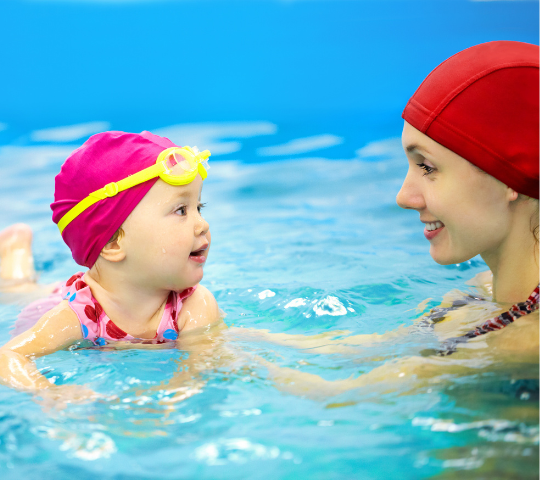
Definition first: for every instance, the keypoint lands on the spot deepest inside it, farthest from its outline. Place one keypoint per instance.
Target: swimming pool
(306, 98)
(303, 242)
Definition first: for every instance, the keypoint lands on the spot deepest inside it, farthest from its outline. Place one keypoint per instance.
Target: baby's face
(166, 239)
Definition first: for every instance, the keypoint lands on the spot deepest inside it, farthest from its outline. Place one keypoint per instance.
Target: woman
(471, 140)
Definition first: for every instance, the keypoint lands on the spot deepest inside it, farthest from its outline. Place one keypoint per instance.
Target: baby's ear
(113, 251)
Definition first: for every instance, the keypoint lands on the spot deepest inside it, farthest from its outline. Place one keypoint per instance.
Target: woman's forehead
(413, 139)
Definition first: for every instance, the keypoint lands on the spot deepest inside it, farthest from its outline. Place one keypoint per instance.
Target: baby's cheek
(175, 247)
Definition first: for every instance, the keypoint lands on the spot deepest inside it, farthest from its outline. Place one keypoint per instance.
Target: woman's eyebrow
(414, 146)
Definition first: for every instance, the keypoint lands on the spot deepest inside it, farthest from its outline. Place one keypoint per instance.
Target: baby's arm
(57, 329)
(340, 341)
(201, 326)
(199, 310)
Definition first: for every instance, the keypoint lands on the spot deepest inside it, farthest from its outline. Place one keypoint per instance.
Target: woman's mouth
(432, 229)
(199, 256)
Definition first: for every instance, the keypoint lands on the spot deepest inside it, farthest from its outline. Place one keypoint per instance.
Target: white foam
(301, 145)
(98, 445)
(234, 450)
(266, 294)
(329, 306)
(297, 302)
(34, 157)
(210, 135)
(391, 147)
(69, 133)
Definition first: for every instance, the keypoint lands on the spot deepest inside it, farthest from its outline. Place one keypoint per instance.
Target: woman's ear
(113, 251)
(512, 195)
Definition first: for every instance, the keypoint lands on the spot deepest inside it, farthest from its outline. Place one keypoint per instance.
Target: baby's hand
(59, 396)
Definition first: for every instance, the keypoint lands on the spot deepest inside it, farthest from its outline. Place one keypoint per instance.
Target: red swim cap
(104, 158)
(482, 104)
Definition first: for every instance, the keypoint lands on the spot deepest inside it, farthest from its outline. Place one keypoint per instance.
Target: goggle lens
(176, 158)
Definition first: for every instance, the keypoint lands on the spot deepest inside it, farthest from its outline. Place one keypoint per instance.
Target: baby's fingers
(57, 397)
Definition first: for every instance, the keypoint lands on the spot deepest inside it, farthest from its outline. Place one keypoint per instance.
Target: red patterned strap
(516, 311)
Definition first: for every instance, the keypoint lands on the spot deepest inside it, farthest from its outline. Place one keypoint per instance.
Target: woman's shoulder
(519, 340)
(482, 281)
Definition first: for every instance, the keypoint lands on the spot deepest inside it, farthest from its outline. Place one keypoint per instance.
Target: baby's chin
(184, 284)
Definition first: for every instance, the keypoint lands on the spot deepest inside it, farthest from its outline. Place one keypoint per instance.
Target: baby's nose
(201, 226)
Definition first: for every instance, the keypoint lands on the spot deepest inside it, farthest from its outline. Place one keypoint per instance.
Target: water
(299, 102)
(302, 244)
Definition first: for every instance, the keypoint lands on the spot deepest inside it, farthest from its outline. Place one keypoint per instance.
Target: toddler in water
(128, 206)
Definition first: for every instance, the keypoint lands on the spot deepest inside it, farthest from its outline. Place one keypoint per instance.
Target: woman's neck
(515, 269)
(135, 310)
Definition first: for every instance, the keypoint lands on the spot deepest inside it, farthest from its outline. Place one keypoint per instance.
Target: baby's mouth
(199, 255)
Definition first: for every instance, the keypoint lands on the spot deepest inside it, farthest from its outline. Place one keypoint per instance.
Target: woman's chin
(447, 258)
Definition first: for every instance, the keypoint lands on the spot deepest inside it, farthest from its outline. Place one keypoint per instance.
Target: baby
(129, 208)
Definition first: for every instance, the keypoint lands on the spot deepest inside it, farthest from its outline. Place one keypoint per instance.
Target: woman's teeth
(433, 226)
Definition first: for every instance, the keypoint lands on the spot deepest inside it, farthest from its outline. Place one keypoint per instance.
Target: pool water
(305, 240)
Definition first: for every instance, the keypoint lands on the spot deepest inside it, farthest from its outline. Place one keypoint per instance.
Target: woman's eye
(181, 210)
(427, 169)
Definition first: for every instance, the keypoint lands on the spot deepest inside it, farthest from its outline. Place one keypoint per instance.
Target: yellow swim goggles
(189, 159)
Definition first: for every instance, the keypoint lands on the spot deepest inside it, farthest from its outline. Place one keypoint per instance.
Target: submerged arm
(335, 341)
(340, 341)
(201, 326)
(497, 351)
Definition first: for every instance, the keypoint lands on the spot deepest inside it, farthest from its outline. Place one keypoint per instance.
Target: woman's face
(465, 211)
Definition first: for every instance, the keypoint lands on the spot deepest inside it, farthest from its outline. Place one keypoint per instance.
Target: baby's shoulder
(55, 330)
(60, 316)
(199, 309)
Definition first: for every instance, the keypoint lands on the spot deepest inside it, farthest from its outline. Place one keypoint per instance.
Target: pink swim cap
(482, 103)
(104, 158)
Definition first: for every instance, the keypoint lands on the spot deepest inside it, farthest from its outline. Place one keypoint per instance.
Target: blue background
(304, 65)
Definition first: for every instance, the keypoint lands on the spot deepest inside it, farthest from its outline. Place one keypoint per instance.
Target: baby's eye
(181, 210)
(201, 206)
(427, 169)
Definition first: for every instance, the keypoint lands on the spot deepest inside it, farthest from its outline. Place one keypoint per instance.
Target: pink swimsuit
(96, 326)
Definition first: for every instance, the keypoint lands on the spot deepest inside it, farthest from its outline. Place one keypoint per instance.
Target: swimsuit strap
(504, 319)
(97, 327)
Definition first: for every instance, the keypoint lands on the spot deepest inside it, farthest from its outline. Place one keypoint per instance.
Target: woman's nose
(410, 194)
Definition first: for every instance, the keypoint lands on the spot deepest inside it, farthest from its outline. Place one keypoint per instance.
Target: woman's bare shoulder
(519, 340)
(482, 280)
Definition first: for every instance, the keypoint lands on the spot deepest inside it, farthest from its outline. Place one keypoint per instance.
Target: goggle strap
(110, 190)
(113, 188)
(202, 171)
(76, 211)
